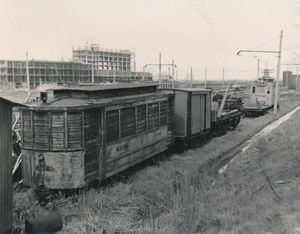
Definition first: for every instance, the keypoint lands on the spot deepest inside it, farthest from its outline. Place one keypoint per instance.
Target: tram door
(93, 144)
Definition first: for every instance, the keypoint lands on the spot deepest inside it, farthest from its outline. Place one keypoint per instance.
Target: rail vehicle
(262, 96)
(85, 133)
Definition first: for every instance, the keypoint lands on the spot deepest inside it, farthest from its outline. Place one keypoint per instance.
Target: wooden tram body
(93, 132)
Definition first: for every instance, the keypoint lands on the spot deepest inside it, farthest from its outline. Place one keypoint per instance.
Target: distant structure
(13, 73)
(109, 66)
(290, 81)
(119, 65)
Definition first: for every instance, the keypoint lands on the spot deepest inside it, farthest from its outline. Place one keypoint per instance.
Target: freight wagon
(87, 133)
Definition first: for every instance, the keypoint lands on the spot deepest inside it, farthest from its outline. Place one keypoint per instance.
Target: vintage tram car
(262, 96)
(86, 133)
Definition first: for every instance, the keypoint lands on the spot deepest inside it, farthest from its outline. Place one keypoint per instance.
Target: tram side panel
(53, 152)
(135, 133)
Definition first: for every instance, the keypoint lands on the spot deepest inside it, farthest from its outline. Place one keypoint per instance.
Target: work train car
(192, 108)
(88, 133)
(198, 118)
(93, 132)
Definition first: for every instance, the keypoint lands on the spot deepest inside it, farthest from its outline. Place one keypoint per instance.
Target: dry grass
(183, 195)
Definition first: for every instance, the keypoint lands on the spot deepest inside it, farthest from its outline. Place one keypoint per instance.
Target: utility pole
(223, 76)
(92, 49)
(159, 77)
(143, 73)
(258, 69)
(172, 73)
(205, 76)
(278, 69)
(277, 76)
(287, 76)
(297, 84)
(93, 78)
(159, 65)
(191, 77)
(27, 73)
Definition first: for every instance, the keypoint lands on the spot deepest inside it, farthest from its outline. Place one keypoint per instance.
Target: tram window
(153, 116)
(112, 126)
(261, 90)
(127, 122)
(253, 89)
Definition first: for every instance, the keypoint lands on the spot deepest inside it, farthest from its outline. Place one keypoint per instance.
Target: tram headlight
(263, 102)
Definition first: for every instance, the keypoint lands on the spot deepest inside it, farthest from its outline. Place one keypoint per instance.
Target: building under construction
(108, 66)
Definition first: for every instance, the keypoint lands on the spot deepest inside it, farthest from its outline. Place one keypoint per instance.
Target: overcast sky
(193, 33)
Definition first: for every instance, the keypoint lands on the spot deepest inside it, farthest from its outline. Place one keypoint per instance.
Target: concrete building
(13, 73)
(290, 81)
(109, 66)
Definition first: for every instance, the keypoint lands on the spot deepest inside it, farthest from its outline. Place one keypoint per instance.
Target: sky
(196, 34)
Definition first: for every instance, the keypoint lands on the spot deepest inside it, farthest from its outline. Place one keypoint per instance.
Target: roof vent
(44, 96)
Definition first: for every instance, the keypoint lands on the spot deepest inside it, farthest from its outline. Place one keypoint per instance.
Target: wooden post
(5, 167)
(6, 192)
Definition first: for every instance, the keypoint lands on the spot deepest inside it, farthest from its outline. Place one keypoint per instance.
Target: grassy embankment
(183, 195)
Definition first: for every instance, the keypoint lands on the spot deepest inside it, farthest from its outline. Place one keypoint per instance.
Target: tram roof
(105, 86)
(187, 89)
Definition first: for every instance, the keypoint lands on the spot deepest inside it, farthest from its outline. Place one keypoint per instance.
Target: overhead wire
(176, 34)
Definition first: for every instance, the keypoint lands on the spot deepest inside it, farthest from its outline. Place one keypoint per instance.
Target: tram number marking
(122, 147)
(44, 168)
